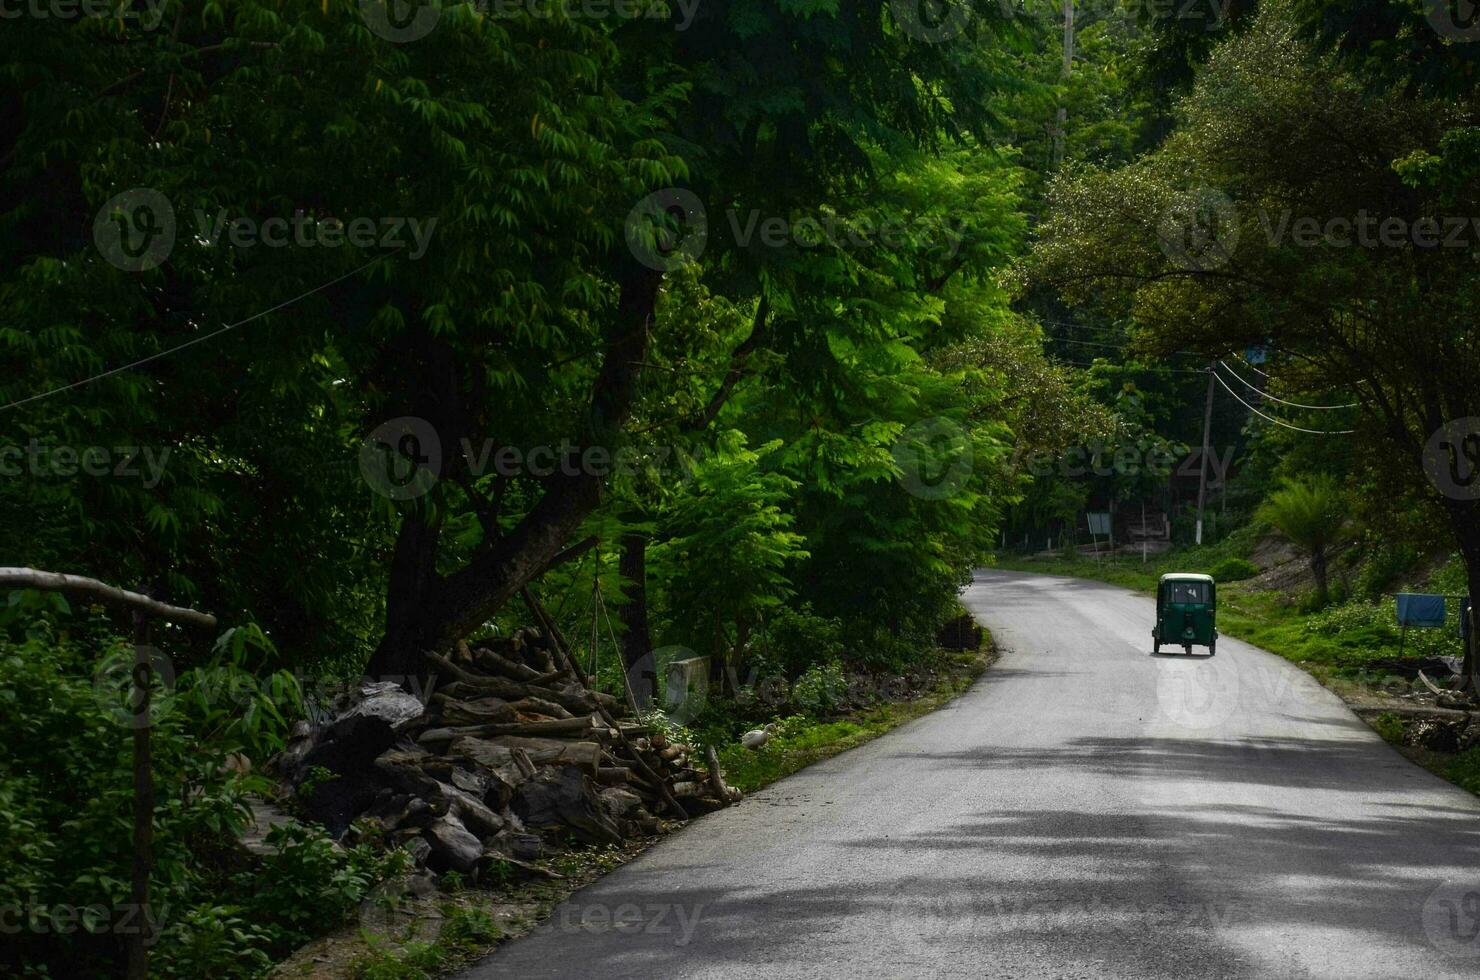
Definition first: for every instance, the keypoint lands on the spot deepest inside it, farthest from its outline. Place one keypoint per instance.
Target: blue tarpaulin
(1418, 609)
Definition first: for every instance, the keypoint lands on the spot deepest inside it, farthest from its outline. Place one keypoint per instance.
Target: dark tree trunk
(426, 611)
(637, 644)
(411, 615)
(1318, 569)
(1464, 522)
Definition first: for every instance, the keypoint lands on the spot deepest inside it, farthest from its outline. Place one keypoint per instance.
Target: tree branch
(30, 578)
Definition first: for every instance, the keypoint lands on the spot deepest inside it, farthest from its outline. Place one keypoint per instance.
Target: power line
(1283, 401)
(190, 343)
(1250, 366)
(1270, 418)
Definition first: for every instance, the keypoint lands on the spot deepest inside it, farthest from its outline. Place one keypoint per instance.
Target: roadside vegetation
(377, 341)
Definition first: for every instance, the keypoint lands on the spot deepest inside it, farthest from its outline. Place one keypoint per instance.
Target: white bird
(758, 737)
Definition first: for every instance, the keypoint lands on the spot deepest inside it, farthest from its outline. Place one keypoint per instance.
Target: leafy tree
(1236, 233)
(1311, 513)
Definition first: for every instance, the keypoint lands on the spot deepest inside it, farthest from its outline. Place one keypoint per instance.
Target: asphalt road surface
(1086, 810)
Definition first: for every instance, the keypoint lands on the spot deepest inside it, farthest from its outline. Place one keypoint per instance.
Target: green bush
(822, 689)
(66, 796)
(1233, 570)
(796, 639)
(1383, 568)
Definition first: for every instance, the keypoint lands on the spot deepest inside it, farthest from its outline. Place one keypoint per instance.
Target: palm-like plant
(1310, 512)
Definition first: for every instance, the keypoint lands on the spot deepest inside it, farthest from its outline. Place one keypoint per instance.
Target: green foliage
(1465, 770)
(416, 960)
(795, 639)
(821, 690)
(1308, 511)
(1233, 570)
(1390, 727)
(66, 790)
(1244, 183)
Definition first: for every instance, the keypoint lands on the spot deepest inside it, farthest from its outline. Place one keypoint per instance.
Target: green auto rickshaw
(1186, 608)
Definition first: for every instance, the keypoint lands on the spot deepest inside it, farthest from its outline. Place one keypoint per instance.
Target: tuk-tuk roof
(1186, 577)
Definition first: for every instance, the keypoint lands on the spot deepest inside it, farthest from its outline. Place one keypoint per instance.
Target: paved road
(1086, 810)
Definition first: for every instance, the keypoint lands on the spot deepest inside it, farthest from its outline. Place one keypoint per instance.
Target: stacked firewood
(513, 755)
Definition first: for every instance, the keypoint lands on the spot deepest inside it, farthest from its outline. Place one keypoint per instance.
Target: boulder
(565, 797)
(453, 846)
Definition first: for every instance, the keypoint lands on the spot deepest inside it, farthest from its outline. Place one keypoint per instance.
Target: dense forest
(736, 329)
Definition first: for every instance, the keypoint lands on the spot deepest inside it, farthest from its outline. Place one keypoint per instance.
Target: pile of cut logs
(513, 755)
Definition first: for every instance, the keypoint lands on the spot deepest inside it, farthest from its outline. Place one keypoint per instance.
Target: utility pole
(1061, 119)
(1202, 481)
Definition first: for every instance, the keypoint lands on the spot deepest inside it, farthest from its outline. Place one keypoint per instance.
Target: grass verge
(800, 741)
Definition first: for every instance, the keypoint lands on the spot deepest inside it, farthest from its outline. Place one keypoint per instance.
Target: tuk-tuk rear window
(1188, 592)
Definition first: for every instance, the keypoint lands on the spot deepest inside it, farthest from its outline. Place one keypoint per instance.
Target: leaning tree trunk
(426, 611)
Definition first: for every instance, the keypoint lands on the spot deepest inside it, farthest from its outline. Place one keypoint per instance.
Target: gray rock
(385, 700)
(453, 846)
(618, 802)
(420, 850)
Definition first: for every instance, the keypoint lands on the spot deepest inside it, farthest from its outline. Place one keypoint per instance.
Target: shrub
(796, 639)
(822, 689)
(1233, 570)
(66, 793)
